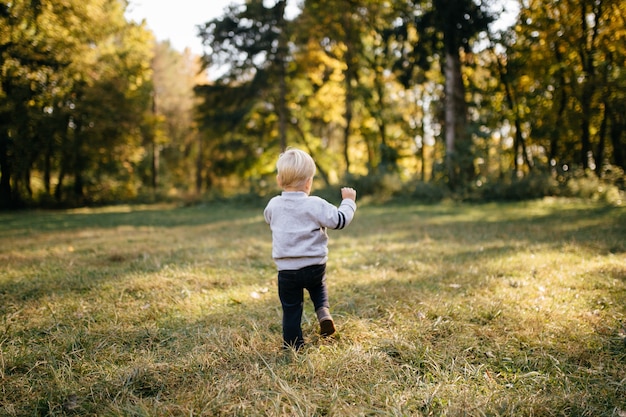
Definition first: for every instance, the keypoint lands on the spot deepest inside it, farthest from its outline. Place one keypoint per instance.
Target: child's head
(295, 170)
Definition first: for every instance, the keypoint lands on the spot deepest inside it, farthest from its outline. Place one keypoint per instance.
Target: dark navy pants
(291, 286)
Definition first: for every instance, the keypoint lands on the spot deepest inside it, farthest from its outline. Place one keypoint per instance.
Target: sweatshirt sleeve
(346, 211)
(337, 217)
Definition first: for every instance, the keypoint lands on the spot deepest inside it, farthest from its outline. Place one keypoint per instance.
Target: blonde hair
(295, 168)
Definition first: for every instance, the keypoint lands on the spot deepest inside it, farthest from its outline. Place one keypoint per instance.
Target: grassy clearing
(493, 309)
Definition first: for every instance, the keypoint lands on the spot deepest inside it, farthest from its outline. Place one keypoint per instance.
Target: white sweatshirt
(298, 223)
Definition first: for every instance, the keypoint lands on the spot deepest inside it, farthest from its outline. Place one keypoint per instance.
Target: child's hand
(349, 193)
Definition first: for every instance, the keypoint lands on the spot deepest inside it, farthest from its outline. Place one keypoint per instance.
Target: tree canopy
(92, 109)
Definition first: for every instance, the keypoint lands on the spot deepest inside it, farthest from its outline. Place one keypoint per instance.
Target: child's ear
(278, 181)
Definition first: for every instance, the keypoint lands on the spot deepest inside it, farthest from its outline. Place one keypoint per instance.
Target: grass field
(445, 310)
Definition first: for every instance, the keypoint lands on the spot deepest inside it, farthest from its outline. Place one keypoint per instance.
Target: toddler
(298, 223)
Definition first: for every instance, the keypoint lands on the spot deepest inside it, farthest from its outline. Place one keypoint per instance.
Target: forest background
(426, 99)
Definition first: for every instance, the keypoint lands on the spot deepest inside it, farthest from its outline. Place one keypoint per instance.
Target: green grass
(457, 310)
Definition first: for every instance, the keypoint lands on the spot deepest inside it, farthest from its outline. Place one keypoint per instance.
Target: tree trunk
(459, 161)
(282, 111)
(58, 190)
(422, 152)
(562, 104)
(154, 168)
(601, 143)
(450, 117)
(616, 133)
(585, 138)
(586, 51)
(78, 163)
(282, 82)
(349, 77)
(5, 172)
(47, 171)
(320, 170)
(519, 144)
(348, 117)
(199, 166)
(65, 162)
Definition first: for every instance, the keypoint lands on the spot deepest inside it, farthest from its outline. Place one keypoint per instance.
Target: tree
(338, 28)
(171, 130)
(349, 34)
(445, 30)
(252, 43)
(71, 95)
(573, 85)
(26, 64)
(108, 98)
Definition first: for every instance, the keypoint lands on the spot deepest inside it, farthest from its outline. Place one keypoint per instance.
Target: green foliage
(381, 187)
(91, 112)
(73, 78)
(170, 129)
(565, 96)
(535, 185)
(386, 187)
(584, 184)
(426, 192)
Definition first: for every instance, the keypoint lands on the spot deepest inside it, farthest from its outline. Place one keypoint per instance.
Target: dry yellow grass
(457, 310)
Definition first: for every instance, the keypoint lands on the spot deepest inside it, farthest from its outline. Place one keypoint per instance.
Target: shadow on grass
(116, 216)
(74, 254)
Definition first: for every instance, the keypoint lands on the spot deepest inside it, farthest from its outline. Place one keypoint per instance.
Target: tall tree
(349, 33)
(573, 85)
(27, 60)
(460, 21)
(71, 91)
(446, 29)
(171, 130)
(106, 106)
(507, 73)
(340, 29)
(251, 42)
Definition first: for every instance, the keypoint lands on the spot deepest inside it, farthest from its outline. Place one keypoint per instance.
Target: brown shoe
(327, 327)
